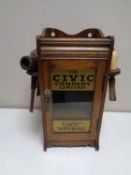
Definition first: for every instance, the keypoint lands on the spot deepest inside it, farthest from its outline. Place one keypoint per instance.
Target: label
(71, 125)
(76, 80)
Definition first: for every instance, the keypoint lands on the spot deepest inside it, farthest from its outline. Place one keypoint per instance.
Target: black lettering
(73, 77)
(90, 78)
(64, 77)
(56, 77)
(82, 77)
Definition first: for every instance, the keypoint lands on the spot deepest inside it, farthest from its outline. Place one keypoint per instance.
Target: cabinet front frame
(46, 66)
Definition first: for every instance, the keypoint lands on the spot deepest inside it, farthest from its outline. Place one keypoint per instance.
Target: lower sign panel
(71, 125)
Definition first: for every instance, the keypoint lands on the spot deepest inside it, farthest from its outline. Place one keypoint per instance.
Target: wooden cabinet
(73, 75)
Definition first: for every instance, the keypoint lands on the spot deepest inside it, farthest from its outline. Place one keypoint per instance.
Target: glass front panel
(72, 99)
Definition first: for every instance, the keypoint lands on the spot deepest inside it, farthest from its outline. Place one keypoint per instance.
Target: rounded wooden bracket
(112, 91)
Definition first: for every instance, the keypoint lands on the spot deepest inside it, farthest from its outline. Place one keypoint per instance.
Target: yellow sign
(76, 80)
(71, 125)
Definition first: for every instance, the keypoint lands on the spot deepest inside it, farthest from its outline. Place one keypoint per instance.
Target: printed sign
(76, 80)
(71, 125)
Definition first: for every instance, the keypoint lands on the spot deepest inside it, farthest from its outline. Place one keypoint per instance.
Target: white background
(22, 20)
(21, 146)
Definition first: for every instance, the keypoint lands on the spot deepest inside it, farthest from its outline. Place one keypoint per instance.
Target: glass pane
(72, 98)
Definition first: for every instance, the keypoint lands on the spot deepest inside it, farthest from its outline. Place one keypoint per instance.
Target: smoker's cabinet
(73, 76)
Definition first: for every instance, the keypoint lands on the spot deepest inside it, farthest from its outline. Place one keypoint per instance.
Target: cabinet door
(72, 98)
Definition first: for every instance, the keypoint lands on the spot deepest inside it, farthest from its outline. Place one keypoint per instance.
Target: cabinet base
(90, 143)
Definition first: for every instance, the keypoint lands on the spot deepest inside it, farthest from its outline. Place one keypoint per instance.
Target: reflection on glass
(72, 110)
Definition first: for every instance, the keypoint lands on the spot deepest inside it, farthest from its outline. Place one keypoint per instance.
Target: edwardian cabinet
(73, 72)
